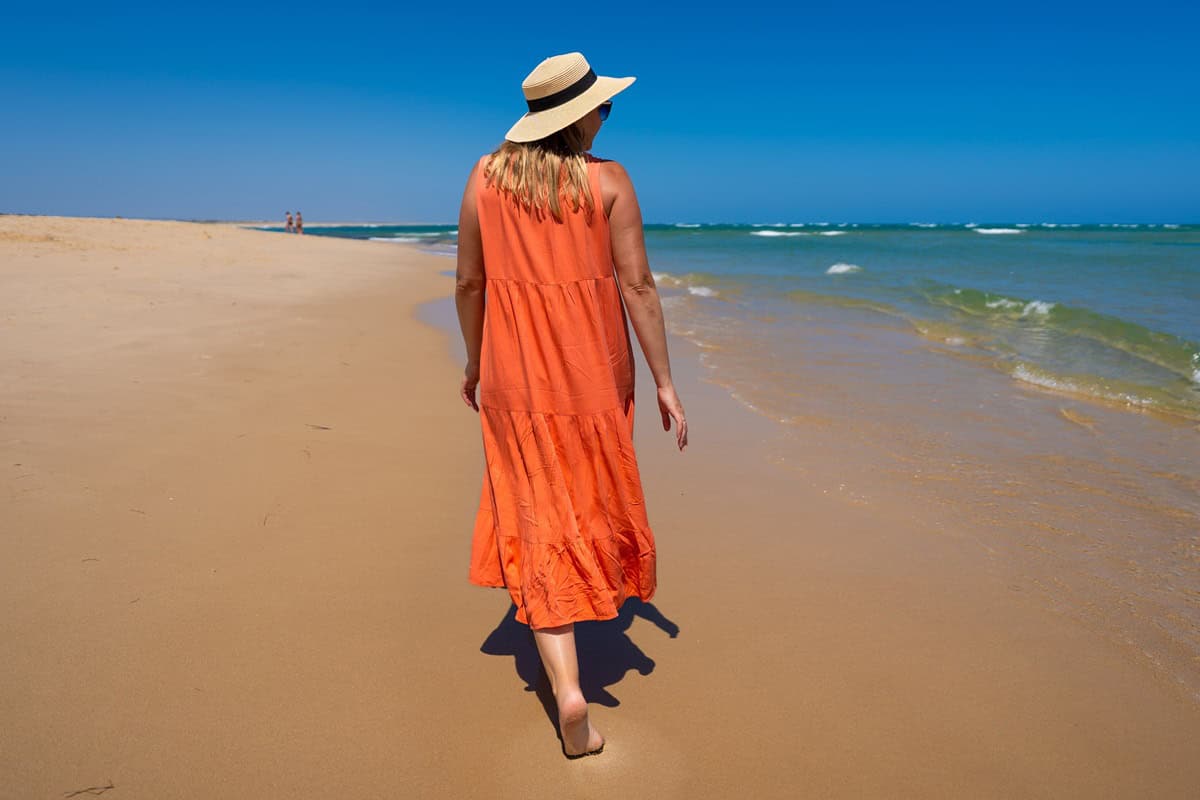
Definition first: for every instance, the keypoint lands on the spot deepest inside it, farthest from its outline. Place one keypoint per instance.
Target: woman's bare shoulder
(609, 166)
(615, 183)
(613, 176)
(478, 169)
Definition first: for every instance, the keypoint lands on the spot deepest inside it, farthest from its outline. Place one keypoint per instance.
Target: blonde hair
(541, 175)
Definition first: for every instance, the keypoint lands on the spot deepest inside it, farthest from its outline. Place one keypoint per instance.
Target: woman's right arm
(639, 291)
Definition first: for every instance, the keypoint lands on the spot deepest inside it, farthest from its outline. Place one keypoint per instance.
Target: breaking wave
(1164, 349)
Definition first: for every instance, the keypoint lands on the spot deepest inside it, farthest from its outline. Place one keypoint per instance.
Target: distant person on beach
(550, 254)
(288, 226)
(299, 222)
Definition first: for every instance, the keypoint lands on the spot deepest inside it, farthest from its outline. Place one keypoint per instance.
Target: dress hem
(591, 618)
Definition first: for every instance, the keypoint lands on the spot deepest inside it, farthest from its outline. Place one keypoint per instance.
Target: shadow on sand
(606, 653)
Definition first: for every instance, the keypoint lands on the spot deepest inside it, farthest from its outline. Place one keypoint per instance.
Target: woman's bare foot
(578, 736)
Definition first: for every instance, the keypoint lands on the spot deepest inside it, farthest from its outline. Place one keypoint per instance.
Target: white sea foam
(971, 225)
(702, 291)
(687, 224)
(923, 224)
(832, 233)
(1032, 376)
(1022, 224)
(1049, 224)
(1024, 373)
(1039, 307)
(778, 233)
(998, 230)
(415, 235)
(1170, 225)
(396, 239)
(843, 269)
(1003, 302)
(801, 225)
(668, 280)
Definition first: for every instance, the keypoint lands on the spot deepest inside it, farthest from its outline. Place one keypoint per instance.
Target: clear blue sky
(742, 112)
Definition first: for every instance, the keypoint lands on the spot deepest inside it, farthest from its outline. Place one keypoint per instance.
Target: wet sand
(239, 490)
(1092, 507)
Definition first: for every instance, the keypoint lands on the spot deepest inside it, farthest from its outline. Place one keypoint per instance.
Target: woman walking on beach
(552, 238)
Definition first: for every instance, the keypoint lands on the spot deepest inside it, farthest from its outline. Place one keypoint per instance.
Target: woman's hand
(469, 382)
(672, 409)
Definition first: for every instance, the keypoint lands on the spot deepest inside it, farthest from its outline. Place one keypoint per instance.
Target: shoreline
(246, 574)
(1076, 345)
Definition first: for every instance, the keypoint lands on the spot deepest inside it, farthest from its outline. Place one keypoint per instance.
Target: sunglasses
(605, 109)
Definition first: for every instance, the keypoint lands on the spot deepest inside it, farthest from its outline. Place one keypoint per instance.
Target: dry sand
(238, 490)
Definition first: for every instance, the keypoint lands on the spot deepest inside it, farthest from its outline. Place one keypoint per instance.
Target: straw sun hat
(561, 90)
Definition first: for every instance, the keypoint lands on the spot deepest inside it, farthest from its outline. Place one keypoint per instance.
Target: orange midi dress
(562, 520)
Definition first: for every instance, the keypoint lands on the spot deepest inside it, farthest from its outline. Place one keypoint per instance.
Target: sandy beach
(238, 495)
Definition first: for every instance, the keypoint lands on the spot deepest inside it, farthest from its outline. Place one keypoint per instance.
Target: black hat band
(563, 95)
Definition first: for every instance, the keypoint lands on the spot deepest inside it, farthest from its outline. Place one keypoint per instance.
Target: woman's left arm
(469, 288)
